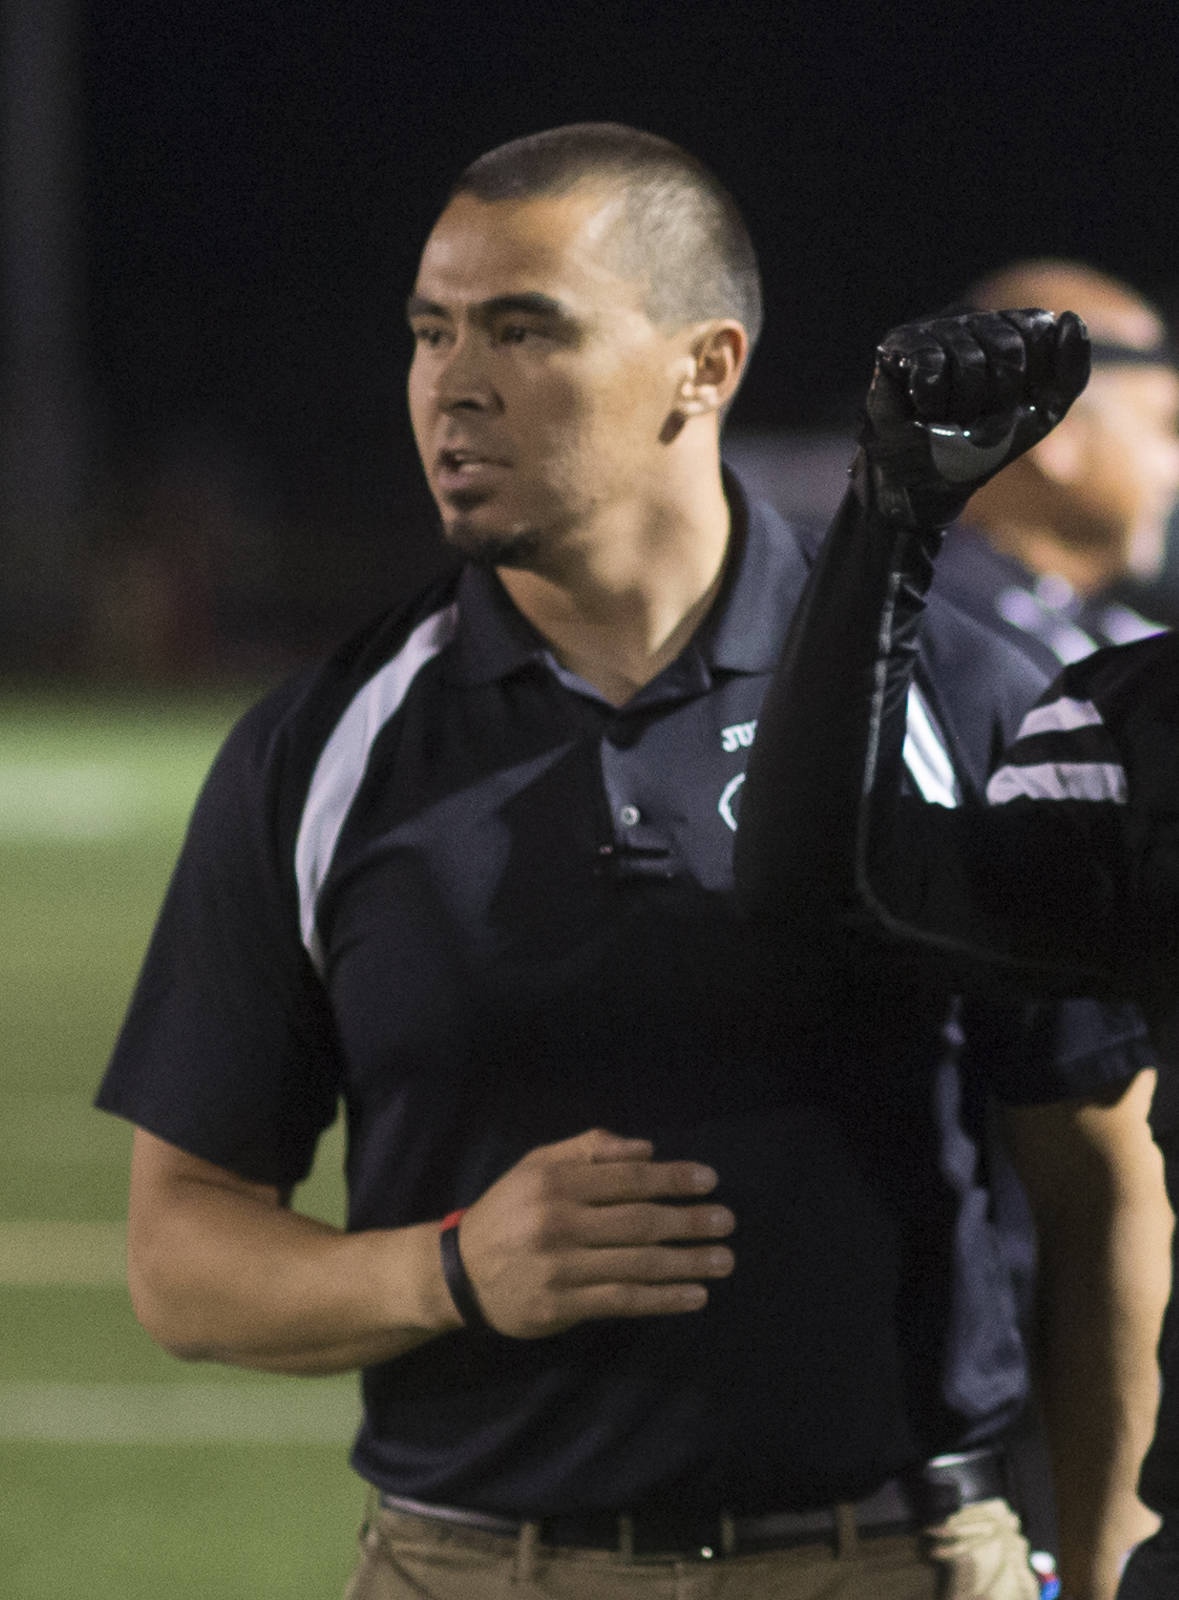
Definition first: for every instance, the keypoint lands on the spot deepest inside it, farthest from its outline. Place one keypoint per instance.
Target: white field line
(264, 1411)
(47, 1253)
(75, 801)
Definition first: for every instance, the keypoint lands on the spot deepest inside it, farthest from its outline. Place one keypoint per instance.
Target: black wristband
(461, 1290)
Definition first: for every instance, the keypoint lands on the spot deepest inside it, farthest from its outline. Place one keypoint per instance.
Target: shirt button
(628, 816)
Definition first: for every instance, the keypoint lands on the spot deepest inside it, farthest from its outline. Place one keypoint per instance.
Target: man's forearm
(588, 1227)
(222, 1274)
(1099, 1378)
(236, 1282)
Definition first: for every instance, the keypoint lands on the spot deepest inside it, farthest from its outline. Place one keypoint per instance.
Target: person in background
(1041, 544)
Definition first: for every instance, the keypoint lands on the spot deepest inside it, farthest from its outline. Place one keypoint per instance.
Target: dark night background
(255, 183)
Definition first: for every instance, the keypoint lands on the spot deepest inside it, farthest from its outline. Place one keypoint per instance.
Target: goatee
(489, 548)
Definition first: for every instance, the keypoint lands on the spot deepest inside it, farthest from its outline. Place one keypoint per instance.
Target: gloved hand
(954, 399)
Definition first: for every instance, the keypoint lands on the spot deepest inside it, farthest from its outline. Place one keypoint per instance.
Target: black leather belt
(902, 1505)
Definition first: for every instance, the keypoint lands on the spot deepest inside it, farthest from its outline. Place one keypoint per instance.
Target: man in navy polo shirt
(669, 1262)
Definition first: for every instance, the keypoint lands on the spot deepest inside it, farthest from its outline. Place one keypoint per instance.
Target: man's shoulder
(980, 681)
(978, 675)
(997, 591)
(970, 566)
(961, 633)
(975, 654)
(786, 545)
(286, 731)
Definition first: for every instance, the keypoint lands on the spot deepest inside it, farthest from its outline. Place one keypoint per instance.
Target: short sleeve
(228, 1049)
(1034, 1052)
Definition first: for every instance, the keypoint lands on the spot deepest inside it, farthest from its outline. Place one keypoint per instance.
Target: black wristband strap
(461, 1291)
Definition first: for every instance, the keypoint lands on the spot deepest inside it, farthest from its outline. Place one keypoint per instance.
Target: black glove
(955, 399)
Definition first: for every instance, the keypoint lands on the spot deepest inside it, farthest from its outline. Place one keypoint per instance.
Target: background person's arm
(591, 1227)
(1094, 1178)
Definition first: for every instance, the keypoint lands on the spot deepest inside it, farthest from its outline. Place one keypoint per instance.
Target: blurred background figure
(1044, 543)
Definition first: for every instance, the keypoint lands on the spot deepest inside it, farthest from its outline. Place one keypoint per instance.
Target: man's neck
(624, 599)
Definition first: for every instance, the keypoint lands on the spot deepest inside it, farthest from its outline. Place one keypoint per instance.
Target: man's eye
(430, 337)
(518, 333)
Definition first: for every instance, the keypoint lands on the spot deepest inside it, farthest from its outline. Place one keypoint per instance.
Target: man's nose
(463, 380)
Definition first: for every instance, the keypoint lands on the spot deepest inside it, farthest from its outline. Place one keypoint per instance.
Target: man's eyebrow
(418, 306)
(529, 303)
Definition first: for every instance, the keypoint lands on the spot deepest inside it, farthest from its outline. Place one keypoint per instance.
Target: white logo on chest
(738, 736)
(728, 796)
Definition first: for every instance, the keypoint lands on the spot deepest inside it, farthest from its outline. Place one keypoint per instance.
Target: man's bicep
(177, 1219)
(1078, 1153)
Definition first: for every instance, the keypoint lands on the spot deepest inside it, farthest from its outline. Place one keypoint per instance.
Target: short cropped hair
(681, 233)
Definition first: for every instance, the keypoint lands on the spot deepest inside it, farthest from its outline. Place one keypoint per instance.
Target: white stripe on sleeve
(342, 764)
(1060, 780)
(926, 756)
(1059, 717)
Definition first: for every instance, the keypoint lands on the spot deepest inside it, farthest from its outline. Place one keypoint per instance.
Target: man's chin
(489, 546)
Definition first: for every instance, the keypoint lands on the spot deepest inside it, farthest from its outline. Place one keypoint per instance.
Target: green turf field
(123, 1473)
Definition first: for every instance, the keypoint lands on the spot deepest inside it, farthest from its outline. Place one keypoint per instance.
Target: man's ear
(714, 366)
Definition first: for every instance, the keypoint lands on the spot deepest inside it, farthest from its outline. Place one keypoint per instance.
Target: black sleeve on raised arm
(827, 836)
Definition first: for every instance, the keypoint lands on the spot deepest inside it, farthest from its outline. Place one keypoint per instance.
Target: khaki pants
(977, 1554)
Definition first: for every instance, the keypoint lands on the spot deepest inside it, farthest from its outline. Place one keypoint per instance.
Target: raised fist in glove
(954, 399)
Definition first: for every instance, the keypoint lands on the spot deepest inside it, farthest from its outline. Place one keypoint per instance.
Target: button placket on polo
(642, 845)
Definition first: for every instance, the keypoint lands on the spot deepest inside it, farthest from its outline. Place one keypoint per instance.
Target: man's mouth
(459, 458)
(459, 469)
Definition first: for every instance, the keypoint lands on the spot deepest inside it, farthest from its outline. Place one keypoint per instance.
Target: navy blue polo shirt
(443, 880)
